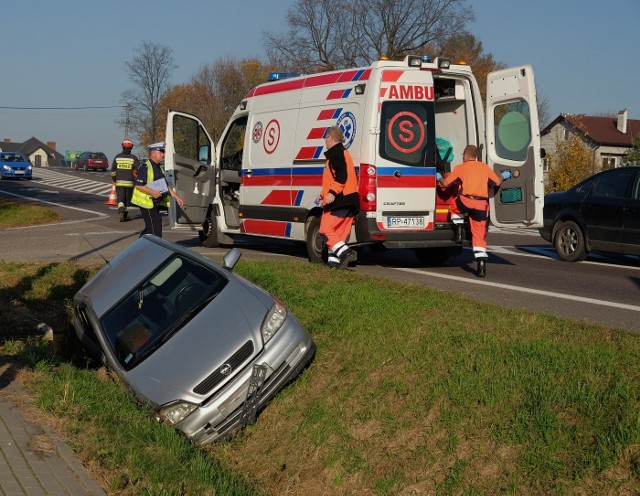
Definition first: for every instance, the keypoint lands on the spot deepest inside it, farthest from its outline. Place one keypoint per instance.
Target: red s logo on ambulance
(407, 134)
(271, 136)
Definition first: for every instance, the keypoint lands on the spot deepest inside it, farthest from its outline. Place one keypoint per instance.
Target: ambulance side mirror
(203, 155)
(543, 153)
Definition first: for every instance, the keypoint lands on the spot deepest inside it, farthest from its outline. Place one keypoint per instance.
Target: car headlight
(176, 412)
(28, 167)
(273, 321)
(6, 168)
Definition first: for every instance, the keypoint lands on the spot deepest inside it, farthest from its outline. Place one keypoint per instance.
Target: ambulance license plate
(405, 222)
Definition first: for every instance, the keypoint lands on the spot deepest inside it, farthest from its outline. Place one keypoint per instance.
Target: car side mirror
(231, 258)
(543, 153)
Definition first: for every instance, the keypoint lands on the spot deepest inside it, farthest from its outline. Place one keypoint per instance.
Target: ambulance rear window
(408, 133)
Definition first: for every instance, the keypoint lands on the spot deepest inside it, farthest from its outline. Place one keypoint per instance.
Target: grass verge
(413, 391)
(14, 213)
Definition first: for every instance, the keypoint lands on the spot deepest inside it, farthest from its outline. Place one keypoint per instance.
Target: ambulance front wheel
(316, 246)
(211, 236)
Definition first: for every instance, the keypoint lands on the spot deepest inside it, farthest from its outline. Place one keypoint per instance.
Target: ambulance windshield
(408, 135)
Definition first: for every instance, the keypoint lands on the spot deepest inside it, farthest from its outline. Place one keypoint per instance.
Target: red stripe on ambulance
(264, 227)
(317, 133)
(282, 197)
(266, 180)
(407, 182)
(308, 152)
(329, 114)
(319, 80)
(391, 76)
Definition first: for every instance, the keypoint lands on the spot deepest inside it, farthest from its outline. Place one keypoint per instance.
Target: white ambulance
(403, 121)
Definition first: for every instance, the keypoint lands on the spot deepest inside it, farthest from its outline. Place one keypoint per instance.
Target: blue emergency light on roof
(276, 76)
(426, 58)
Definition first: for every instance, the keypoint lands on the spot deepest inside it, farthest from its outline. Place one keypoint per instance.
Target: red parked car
(92, 161)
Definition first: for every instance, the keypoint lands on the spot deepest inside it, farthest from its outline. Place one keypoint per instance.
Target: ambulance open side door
(513, 144)
(190, 169)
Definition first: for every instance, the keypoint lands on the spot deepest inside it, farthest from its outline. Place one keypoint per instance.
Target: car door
(631, 219)
(602, 209)
(513, 143)
(190, 169)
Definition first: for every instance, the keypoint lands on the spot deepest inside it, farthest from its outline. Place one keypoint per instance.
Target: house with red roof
(609, 138)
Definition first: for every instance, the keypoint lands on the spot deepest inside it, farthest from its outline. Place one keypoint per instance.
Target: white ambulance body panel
(403, 121)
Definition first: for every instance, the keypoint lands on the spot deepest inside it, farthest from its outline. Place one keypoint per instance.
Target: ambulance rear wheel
(211, 236)
(316, 246)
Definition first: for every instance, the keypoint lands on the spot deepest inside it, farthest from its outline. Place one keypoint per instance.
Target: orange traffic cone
(113, 198)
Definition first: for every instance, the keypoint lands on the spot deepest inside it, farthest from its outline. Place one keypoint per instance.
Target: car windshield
(158, 307)
(12, 157)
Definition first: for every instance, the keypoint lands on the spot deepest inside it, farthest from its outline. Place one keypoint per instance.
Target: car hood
(228, 323)
(555, 197)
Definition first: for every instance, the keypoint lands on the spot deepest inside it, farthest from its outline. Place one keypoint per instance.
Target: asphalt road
(523, 270)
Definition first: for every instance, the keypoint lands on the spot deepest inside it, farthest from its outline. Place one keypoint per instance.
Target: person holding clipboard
(152, 191)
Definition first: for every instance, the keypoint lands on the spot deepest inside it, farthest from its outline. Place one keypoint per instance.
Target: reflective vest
(346, 194)
(144, 200)
(124, 169)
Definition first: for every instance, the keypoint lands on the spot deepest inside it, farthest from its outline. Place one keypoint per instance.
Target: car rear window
(99, 156)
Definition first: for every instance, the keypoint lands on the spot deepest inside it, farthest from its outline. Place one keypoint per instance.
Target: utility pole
(126, 122)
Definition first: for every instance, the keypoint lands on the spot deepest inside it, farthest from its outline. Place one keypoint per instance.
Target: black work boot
(482, 268)
(457, 233)
(347, 257)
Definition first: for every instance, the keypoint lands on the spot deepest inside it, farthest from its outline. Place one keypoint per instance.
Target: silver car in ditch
(205, 348)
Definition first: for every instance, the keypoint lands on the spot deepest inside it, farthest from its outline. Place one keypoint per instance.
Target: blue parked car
(14, 165)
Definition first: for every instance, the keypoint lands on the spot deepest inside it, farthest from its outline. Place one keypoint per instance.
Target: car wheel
(316, 245)
(569, 242)
(211, 236)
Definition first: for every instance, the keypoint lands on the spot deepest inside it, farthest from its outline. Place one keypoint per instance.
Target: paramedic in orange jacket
(339, 199)
(474, 178)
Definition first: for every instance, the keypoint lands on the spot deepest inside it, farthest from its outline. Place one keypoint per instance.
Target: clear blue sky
(71, 53)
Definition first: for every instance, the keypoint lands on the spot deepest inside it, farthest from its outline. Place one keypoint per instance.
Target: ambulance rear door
(406, 175)
(190, 169)
(513, 144)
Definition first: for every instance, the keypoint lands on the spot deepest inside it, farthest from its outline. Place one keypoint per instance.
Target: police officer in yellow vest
(123, 172)
(152, 191)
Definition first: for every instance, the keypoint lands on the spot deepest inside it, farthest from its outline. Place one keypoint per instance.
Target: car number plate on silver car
(250, 407)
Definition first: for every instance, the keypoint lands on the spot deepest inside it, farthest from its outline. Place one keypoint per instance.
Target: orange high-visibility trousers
(478, 212)
(336, 226)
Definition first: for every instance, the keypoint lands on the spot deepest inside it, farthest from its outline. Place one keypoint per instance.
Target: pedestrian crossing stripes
(65, 181)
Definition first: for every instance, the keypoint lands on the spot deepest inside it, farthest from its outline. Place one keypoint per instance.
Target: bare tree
(150, 71)
(228, 80)
(316, 39)
(334, 34)
(394, 28)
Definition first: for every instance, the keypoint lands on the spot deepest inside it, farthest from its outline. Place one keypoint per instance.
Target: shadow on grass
(38, 327)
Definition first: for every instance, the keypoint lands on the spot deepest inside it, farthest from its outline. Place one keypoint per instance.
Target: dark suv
(92, 161)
